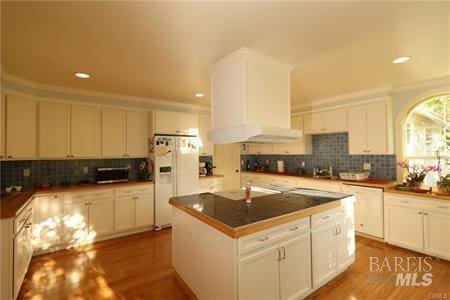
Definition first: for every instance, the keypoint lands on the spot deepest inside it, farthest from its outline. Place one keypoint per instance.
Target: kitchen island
(283, 245)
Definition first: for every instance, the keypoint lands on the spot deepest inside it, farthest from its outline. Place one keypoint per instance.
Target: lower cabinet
(210, 185)
(133, 208)
(279, 271)
(333, 243)
(418, 224)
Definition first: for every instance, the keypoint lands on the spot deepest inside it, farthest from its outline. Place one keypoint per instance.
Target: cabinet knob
(262, 239)
(9, 156)
(1, 156)
(67, 155)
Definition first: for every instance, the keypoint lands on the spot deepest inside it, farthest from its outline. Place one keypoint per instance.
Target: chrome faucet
(328, 171)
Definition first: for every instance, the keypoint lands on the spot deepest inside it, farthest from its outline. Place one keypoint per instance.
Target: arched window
(427, 132)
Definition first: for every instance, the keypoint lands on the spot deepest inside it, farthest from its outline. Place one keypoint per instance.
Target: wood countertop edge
(425, 196)
(258, 226)
(385, 186)
(19, 200)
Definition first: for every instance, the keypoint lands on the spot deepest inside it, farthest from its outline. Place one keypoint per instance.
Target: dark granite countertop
(236, 215)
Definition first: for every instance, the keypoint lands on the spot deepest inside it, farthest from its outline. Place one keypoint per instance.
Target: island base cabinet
(259, 275)
(324, 254)
(295, 268)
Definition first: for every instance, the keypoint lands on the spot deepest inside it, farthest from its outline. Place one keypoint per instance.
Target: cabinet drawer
(325, 217)
(360, 190)
(134, 190)
(260, 239)
(88, 195)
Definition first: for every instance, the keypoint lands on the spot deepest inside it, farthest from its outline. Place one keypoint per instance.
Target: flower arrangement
(416, 173)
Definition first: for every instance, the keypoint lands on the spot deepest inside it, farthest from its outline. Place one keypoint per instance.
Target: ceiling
(163, 50)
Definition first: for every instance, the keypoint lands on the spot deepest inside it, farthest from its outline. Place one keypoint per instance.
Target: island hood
(250, 100)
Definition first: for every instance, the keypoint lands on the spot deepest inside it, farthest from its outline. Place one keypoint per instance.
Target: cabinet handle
(362, 225)
(404, 201)
(9, 156)
(443, 207)
(283, 253)
(1, 156)
(134, 198)
(263, 239)
(339, 229)
(293, 228)
(67, 155)
(425, 214)
(326, 217)
(279, 255)
(420, 213)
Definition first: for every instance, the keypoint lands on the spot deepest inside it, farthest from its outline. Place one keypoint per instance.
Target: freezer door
(164, 179)
(186, 167)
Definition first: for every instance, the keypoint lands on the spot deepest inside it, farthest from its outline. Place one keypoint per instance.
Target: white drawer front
(325, 217)
(88, 195)
(135, 190)
(256, 240)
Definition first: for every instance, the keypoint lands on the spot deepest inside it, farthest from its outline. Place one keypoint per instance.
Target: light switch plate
(26, 172)
(302, 164)
(85, 170)
(367, 166)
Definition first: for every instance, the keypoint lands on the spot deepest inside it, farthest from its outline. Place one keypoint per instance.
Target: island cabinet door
(258, 275)
(324, 253)
(295, 267)
(345, 242)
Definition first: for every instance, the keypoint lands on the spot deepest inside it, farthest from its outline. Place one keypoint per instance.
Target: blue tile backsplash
(55, 171)
(328, 149)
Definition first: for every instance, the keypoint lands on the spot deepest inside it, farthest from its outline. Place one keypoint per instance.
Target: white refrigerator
(175, 172)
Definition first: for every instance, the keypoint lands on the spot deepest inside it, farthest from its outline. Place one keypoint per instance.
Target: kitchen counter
(235, 218)
(377, 183)
(211, 176)
(11, 204)
(430, 196)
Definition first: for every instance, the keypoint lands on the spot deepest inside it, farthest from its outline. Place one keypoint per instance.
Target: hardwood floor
(139, 267)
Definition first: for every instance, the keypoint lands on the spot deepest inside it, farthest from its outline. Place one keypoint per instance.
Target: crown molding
(428, 83)
(18, 84)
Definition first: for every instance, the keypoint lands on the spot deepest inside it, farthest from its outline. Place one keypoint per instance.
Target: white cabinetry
(20, 128)
(318, 184)
(302, 145)
(369, 215)
(210, 185)
(137, 134)
(333, 243)
(133, 207)
(326, 122)
(113, 132)
(260, 148)
(54, 130)
(420, 225)
(369, 129)
(84, 132)
(207, 147)
(169, 122)
(276, 263)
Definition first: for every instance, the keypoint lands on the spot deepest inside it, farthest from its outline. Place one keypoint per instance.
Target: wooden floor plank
(139, 266)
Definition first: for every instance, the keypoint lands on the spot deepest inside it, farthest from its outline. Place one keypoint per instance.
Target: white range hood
(251, 100)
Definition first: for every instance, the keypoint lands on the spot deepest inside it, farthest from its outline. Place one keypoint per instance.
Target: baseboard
(191, 295)
(370, 237)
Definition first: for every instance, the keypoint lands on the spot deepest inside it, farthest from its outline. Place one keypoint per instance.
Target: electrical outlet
(302, 164)
(367, 166)
(85, 170)
(26, 172)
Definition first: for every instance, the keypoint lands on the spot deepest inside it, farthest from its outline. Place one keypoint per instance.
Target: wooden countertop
(428, 196)
(235, 219)
(211, 176)
(11, 204)
(377, 183)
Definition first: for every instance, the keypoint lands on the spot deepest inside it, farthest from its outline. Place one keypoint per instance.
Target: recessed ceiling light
(82, 75)
(401, 59)
(199, 95)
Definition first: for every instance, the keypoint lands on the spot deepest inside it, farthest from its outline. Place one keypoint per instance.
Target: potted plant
(444, 184)
(416, 173)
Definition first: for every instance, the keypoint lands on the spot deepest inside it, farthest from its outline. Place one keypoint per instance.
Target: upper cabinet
(20, 128)
(114, 132)
(369, 129)
(326, 121)
(204, 124)
(124, 133)
(54, 130)
(169, 122)
(302, 145)
(85, 132)
(137, 134)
